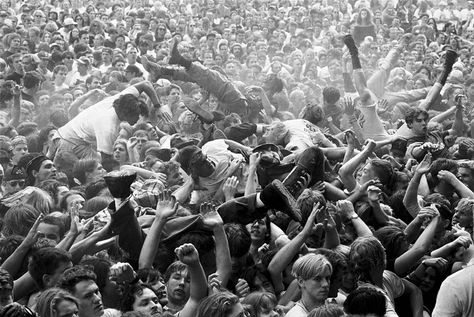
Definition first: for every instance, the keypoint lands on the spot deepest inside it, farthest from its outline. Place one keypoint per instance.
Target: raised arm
(347, 212)
(188, 254)
(165, 209)
(347, 170)
(459, 186)
(410, 200)
(146, 87)
(213, 221)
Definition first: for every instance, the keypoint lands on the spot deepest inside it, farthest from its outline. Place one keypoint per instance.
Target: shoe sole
(295, 212)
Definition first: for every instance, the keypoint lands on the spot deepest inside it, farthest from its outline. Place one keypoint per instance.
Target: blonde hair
(310, 266)
(277, 134)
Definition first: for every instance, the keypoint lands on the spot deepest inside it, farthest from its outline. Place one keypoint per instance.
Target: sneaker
(297, 181)
(275, 195)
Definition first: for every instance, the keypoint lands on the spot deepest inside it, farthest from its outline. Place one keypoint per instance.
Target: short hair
(19, 219)
(366, 300)
(392, 238)
(174, 267)
(313, 113)
(8, 245)
(466, 205)
(101, 268)
(413, 113)
(74, 275)
(129, 104)
(310, 266)
(331, 95)
(31, 79)
(14, 309)
(51, 186)
(49, 300)
(55, 221)
(327, 310)
(440, 165)
(217, 305)
(239, 239)
(367, 254)
(46, 261)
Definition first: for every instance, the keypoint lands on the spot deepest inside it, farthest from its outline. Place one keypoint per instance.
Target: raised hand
(242, 288)
(346, 209)
(32, 234)
(320, 186)
(187, 254)
(373, 194)
(254, 159)
(167, 205)
(214, 283)
(210, 216)
(439, 263)
(161, 177)
(230, 187)
(348, 106)
(122, 273)
(446, 176)
(425, 165)
(463, 241)
(323, 216)
(382, 105)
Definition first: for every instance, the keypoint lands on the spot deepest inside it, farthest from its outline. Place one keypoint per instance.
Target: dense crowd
(229, 158)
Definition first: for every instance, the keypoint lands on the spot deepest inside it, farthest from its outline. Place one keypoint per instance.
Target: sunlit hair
(259, 302)
(217, 305)
(50, 299)
(310, 266)
(278, 133)
(33, 196)
(327, 310)
(367, 254)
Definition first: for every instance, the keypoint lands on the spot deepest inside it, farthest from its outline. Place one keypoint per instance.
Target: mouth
(179, 292)
(99, 307)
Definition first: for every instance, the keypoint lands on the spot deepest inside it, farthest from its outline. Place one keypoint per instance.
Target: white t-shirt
(97, 124)
(303, 134)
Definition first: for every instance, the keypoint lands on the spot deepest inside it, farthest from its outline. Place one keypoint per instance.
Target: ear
(34, 173)
(300, 282)
(46, 279)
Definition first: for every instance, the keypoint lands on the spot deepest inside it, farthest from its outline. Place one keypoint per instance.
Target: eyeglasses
(15, 183)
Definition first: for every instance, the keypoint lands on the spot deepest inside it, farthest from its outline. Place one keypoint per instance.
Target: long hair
(49, 300)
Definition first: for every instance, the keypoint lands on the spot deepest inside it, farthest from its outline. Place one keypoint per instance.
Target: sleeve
(447, 303)
(241, 131)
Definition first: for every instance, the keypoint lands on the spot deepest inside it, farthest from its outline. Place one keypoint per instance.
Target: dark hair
(74, 275)
(101, 269)
(366, 300)
(6, 278)
(128, 297)
(46, 261)
(338, 264)
(392, 238)
(129, 105)
(94, 188)
(413, 113)
(31, 79)
(8, 245)
(16, 310)
(55, 221)
(331, 95)
(239, 239)
(440, 165)
(313, 113)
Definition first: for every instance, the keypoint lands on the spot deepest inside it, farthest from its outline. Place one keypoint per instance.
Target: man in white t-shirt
(96, 128)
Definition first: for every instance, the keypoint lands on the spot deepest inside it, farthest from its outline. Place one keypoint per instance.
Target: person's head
(417, 120)
(52, 227)
(177, 283)
(394, 241)
(443, 164)
(20, 148)
(59, 74)
(463, 213)
(72, 200)
(80, 282)
(367, 256)
(466, 174)
(262, 304)
(120, 151)
(276, 133)
(313, 273)
(365, 302)
(339, 265)
(327, 310)
(13, 180)
(239, 243)
(378, 169)
(129, 108)
(141, 298)
(221, 304)
(38, 169)
(6, 288)
(142, 137)
(56, 302)
(195, 162)
(19, 219)
(32, 80)
(47, 264)
(87, 170)
(17, 310)
(331, 95)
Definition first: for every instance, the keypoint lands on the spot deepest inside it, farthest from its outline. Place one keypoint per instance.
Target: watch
(354, 216)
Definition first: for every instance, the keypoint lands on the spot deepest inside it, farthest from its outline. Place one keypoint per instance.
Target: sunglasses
(15, 183)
